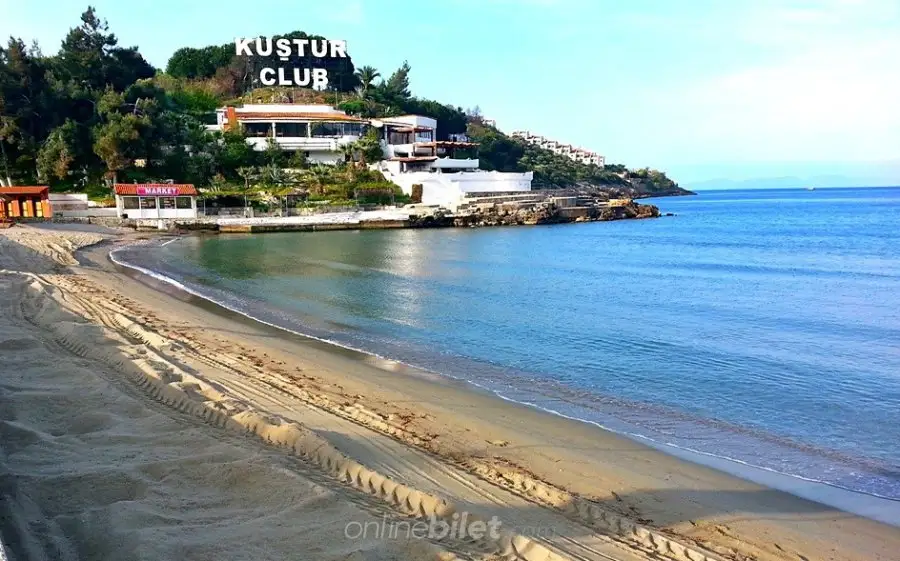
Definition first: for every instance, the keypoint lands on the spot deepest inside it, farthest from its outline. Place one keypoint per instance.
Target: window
(130, 203)
(148, 202)
(353, 129)
(327, 130)
(258, 129)
(167, 202)
(183, 202)
(399, 138)
(290, 129)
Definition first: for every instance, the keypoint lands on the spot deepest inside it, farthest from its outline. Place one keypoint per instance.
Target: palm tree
(320, 175)
(248, 174)
(348, 151)
(366, 75)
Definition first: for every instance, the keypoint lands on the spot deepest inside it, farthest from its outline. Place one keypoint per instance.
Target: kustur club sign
(286, 49)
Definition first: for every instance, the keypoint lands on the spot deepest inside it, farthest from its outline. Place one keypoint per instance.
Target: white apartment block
(578, 154)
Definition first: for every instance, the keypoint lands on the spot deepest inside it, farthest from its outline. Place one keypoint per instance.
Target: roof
(24, 190)
(255, 116)
(182, 189)
(409, 115)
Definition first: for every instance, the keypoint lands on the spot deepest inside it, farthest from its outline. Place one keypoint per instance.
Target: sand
(136, 424)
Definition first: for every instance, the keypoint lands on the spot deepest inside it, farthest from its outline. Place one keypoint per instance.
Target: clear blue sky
(700, 88)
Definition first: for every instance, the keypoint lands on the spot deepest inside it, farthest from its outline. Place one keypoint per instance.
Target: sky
(703, 89)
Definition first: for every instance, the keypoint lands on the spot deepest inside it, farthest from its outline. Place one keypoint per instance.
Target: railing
(240, 212)
(297, 143)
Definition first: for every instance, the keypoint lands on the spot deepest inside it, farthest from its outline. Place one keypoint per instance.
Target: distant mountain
(789, 182)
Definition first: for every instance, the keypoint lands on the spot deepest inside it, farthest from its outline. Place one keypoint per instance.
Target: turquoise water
(761, 326)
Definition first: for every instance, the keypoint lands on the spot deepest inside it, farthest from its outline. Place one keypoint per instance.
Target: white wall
(455, 163)
(490, 181)
(62, 202)
(412, 120)
(90, 213)
(69, 198)
(448, 189)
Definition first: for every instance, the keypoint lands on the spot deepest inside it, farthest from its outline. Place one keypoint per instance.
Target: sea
(755, 331)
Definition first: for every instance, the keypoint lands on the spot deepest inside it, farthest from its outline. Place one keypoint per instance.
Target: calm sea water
(758, 326)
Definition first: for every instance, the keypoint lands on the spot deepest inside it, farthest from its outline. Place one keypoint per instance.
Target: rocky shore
(530, 215)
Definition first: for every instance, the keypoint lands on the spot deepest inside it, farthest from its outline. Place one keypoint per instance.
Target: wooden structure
(31, 201)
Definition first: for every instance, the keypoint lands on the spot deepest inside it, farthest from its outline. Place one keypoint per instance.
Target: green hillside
(96, 112)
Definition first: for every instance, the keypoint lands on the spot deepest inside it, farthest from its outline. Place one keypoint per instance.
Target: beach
(177, 427)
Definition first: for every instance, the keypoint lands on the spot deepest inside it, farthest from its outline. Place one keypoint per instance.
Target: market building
(155, 200)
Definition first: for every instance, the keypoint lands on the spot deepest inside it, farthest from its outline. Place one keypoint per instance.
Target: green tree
(367, 76)
(248, 174)
(90, 57)
(81, 58)
(369, 147)
(56, 155)
(298, 160)
(320, 177)
(274, 155)
(395, 90)
(233, 152)
(115, 141)
(192, 63)
(26, 109)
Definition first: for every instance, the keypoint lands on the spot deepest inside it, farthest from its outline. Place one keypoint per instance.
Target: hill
(96, 112)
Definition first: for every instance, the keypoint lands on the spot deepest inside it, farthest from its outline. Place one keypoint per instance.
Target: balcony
(455, 164)
(309, 144)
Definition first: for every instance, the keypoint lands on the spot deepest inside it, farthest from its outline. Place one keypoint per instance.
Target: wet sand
(137, 425)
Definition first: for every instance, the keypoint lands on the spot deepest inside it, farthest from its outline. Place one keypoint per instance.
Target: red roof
(25, 190)
(182, 189)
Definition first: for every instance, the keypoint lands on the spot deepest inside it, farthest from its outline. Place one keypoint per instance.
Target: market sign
(157, 191)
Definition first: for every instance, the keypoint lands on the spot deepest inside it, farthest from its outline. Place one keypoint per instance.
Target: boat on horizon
(810, 188)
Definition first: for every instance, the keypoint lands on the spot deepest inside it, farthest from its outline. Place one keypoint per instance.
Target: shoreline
(498, 215)
(875, 507)
(432, 425)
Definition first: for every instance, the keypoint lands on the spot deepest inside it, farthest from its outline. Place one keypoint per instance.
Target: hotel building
(429, 170)
(578, 154)
(317, 130)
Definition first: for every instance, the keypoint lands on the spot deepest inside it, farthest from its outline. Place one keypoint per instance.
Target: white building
(155, 200)
(430, 170)
(413, 156)
(317, 130)
(578, 154)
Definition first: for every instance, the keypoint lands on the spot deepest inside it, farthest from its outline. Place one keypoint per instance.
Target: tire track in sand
(164, 380)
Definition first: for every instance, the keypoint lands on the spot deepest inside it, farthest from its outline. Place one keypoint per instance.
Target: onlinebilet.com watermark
(458, 527)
